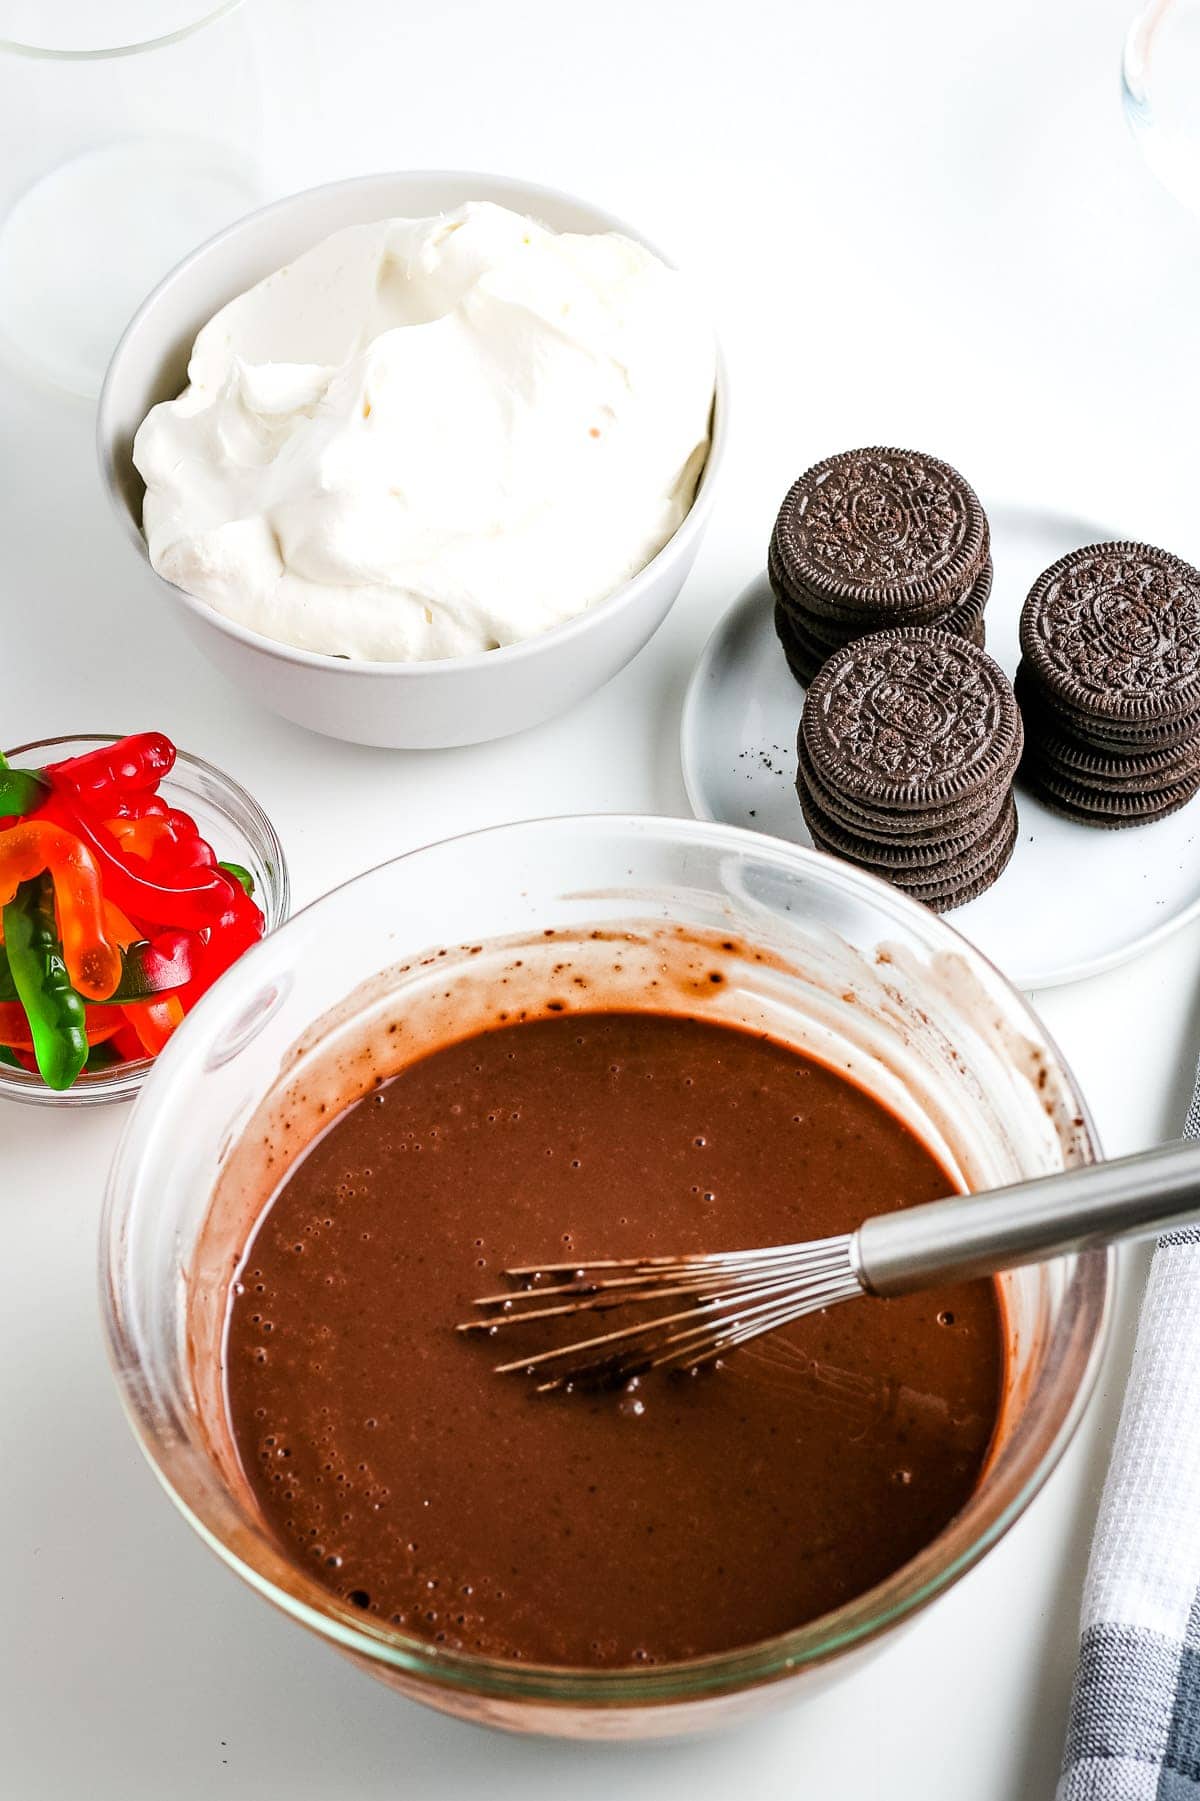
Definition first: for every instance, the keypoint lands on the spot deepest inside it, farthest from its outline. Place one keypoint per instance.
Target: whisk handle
(1001, 1228)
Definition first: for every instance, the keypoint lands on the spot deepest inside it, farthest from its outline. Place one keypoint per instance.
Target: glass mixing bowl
(238, 830)
(815, 952)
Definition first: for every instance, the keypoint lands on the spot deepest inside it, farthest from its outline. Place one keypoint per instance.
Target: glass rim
(955, 1550)
(108, 52)
(1138, 49)
(123, 1080)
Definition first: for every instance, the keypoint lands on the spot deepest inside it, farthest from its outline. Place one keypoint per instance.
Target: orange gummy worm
(92, 959)
(154, 1021)
(138, 836)
(120, 929)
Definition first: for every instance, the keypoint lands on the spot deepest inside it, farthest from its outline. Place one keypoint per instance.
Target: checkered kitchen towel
(1134, 1732)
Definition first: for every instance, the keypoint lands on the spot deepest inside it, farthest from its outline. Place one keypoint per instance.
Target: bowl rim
(857, 1622)
(211, 13)
(526, 194)
(123, 1080)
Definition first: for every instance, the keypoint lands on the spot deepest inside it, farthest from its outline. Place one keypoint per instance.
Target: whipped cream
(427, 437)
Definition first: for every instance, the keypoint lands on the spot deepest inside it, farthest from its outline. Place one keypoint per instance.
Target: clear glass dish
(135, 130)
(1160, 70)
(238, 830)
(813, 951)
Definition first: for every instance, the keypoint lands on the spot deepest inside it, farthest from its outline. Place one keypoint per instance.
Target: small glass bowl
(238, 830)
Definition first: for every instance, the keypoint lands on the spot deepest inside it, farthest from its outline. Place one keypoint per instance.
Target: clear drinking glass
(133, 130)
(1160, 83)
(815, 952)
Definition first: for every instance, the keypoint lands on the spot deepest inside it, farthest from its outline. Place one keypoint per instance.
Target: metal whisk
(695, 1309)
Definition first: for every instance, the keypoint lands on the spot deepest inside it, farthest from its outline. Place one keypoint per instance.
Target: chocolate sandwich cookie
(966, 618)
(911, 720)
(1043, 715)
(805, 653)
(902, 860)
(1106, 807)
(913, 827)
(965, 866)
(880, 537)
(1145, 772)
(957, 877)
(907, 748)
(803, 658)
(795, 628)
(957, 613)
(962, 617)
(958, 889)
(1111, 635)
(875, 539)
(1109, 684)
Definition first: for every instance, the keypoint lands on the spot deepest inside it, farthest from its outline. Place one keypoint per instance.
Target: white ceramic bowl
(459, 700)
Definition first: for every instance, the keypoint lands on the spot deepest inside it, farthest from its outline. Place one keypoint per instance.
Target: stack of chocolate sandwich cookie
(1109, 684)
(875, 539)
(908, 745)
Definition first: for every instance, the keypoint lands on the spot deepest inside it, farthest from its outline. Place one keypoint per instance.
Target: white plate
(1073, 900)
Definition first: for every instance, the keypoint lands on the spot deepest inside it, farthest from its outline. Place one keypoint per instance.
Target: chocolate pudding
(688, 1514)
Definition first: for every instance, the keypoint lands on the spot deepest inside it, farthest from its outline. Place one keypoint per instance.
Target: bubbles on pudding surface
(475, 1514)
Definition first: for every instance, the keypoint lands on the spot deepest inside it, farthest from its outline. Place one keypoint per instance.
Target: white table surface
(920, 223)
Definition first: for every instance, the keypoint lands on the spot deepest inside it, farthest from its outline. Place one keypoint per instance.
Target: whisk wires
(688, 1310)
